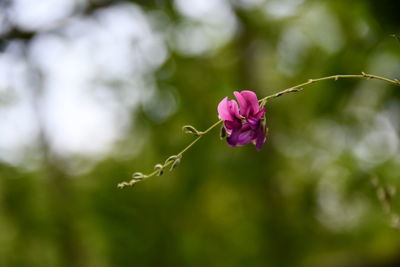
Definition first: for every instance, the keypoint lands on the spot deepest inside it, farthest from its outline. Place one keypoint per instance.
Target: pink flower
(243, 123)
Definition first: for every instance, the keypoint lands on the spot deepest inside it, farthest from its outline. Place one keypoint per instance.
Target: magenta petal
(245, 137)
(260, 113)
(253, 123)
(223, 109)
(228, 110)
(232, 125)
(234, 110)
(248, 102)
(241, 137)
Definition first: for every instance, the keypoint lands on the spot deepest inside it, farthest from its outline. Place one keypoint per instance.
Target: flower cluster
(245, 123)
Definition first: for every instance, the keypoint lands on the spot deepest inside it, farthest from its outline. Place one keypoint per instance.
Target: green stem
(293, 89)
(298, 87)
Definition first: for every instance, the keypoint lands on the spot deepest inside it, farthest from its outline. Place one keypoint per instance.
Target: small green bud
(222, 133)
(264, 125)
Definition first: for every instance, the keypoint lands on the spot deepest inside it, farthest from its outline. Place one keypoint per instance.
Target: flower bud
(222, 133)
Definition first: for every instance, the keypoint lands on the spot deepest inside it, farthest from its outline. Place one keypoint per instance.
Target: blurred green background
(93, 90)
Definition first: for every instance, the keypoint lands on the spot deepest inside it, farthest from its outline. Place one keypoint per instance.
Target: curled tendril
(189, 129)
(160, 169)
(173, 161)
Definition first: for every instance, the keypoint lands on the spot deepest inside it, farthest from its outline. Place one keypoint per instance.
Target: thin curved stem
(198, 138)
(293, 89)
(298, 87)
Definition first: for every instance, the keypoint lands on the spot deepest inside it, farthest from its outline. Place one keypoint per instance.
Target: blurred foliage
(305, 200)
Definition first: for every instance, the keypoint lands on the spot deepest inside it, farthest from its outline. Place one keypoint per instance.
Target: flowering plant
(243, 123)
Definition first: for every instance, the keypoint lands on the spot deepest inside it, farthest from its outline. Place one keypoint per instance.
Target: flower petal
(241, 137)
(248, 102)
(232, 125)
(234, 108)
(253, 123)
(228, 110)
(260, 113)
(223, 109)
